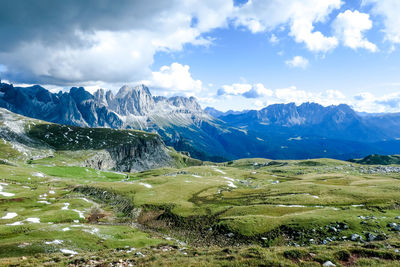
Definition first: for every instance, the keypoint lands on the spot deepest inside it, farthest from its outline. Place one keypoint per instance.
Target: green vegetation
(63, 137)
(247, 212)
(212, 208)
(378, 160)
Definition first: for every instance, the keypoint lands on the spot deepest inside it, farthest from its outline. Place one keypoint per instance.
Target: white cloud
(259, 15)
(297, 62)
(292, 94)
(349, 27)
(258, 90)
(111, 48)
(390, 10)
(302, 30)
(245, 90)
(175, 78)
(234, 89)
(273, 39)
(364, 101)
(368, 102)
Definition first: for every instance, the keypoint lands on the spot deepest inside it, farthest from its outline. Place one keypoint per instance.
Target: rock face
(106, 149)
(144, 155)
(280, 131)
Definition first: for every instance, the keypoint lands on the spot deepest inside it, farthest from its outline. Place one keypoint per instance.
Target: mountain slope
(101, 148)
(179, 120)
(280, 131)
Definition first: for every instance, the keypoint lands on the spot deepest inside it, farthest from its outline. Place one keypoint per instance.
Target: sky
(228, 54)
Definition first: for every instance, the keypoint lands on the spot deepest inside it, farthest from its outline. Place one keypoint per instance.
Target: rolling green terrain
(378, 160)
(55, 211)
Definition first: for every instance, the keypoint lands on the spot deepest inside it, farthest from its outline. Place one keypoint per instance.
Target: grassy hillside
(29, 140)
(378, 160)
(245, 212)
(55, 211)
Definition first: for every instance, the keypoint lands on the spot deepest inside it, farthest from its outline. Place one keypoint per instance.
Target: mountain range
(279, 131)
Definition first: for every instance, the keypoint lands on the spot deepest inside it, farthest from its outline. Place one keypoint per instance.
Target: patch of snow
(33, 220)
(92, 231)
(52, 192)
(130, 250)
(68, 251)
(37, 174)
(197, 176)
(85, 199)
(80, 214)
(65, 229)
(54, 242)
(14, 223)
(5, 194)
(9, 215)
(230, 184)
(44, 202)
(220, 171)
(66, 205)
(146, 185)
(76, 221)
(291, 206)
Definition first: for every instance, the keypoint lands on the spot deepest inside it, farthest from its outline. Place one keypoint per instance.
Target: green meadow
(246, 212)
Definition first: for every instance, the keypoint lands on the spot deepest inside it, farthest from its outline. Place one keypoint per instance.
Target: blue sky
(229, 55)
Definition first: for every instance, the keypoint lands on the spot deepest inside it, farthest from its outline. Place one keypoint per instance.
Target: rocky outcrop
(144, 154)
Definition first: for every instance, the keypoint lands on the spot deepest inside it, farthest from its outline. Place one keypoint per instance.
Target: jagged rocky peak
(129, 91)
(131, 100)
(79, 94)
(282, 114)
(100, 97)
(185, 103)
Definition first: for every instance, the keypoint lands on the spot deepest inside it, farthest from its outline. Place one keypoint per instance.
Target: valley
(58, 208)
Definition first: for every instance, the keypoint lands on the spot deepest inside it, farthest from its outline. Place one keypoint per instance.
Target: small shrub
(295, 254)
(343, 255)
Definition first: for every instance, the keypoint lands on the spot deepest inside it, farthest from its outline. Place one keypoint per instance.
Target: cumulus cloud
(175, 78)
(349, 27)
(368, 102)
(297, 62)
(258, 90)
(301, 15)
(245, 90)
(234, 89)
(273, 39)
(390, 10)
(64, 42)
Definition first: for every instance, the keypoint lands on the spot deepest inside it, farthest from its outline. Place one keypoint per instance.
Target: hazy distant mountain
(280, 131)
(216, 113)
(179, 120)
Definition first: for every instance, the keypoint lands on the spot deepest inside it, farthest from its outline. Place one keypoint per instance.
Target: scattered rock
(328, 264)
(355, 237)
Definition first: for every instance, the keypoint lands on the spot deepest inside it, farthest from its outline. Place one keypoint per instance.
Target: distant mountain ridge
(280, 131)
(179, 120)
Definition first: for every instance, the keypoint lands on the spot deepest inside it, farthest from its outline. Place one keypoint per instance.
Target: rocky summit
(279, 131)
